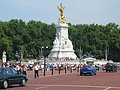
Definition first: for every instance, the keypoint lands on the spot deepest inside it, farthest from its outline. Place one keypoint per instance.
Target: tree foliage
(17, 35)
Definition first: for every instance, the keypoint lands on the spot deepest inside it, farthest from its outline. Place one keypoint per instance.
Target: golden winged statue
(62, 18)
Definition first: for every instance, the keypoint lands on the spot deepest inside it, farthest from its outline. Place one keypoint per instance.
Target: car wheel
(80, 74)
(113, 71)
(91, 73)
(5, 84)
(23, 83)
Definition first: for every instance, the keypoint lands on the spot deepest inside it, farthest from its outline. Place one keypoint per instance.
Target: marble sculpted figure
(4, 57)
(56, 42)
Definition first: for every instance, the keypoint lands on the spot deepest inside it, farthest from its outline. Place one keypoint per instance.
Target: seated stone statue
(56, 42)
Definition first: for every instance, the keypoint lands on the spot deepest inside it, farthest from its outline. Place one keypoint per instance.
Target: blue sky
(76, 11)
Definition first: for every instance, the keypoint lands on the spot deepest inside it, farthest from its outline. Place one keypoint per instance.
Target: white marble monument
(4, 57)
(62, 46)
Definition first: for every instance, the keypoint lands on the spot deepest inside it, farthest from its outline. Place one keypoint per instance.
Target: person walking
(36, 69)
(24, 69)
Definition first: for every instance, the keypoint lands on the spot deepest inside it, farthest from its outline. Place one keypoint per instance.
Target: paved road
(72, 81)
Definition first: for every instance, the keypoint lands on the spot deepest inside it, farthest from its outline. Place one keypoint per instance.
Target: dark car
(9, 76)
(111, 67)
(88, 69)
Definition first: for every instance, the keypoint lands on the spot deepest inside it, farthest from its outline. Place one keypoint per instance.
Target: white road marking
(107, 88)
(40, 86)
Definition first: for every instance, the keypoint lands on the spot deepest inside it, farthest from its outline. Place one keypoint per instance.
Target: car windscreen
(109, 64)
(13, 70)
(2, 70)
(86, 66)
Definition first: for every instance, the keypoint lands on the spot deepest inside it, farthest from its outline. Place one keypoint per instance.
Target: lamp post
(16, 55)
(44, 59)
(80, 54)
(41, 52)
(106, 52)
(21, 56)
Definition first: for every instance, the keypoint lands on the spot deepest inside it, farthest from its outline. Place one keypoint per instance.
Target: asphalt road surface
(71, 81)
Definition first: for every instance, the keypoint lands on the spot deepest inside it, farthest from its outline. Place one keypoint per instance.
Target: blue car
(9, 76)
(87, 69)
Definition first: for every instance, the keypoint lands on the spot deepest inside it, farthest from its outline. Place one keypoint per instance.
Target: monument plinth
(62, 46)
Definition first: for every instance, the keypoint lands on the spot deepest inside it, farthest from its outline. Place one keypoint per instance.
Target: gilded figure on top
(62, 18)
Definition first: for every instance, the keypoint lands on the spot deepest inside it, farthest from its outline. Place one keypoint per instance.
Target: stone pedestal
(62, 46)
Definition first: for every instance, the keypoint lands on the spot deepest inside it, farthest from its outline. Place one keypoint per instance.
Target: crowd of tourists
(23, 68)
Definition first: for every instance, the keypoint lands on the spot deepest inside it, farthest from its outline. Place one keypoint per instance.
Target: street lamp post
(44, 65)
(106, 52)
(45, 60)
(21, 56)
(41, 52)
(17, 56)
(80, 54)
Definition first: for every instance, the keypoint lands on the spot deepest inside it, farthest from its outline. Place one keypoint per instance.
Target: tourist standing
(36, 69)
(24, 69)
